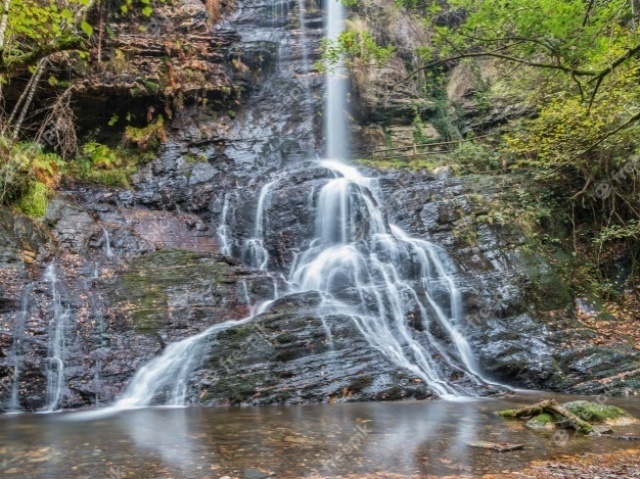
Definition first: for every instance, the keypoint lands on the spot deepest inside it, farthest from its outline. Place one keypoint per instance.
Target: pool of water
(423, 438)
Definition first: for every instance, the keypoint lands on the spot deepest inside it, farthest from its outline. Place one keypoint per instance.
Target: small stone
(628, 437)
(496, 446)
(255, 474)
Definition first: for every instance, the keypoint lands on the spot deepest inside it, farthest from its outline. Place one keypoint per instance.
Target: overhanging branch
(19, 62)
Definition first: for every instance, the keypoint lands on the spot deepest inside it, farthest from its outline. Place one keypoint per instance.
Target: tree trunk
(3, 23)
(30, 91)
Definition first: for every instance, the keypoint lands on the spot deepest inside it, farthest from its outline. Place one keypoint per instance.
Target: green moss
(542, 421)
(548, 288)
(193, 159)
(508, 414)
(595, 412)
(237, 391)
(107, 166)
(35, 201)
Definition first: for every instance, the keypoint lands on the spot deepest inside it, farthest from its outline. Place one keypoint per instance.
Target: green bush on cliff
(27, 176)
(108, 166)
(35, 201)
(357, 46)
(146, 138)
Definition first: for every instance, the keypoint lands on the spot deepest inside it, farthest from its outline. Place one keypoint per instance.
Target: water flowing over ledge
(388, 283)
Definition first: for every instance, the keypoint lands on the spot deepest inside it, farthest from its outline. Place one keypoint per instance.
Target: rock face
(138, 269)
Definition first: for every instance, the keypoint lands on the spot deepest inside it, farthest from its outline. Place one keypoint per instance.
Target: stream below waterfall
(329, 440)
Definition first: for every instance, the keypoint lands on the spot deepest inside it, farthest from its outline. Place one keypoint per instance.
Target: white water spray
(364, 269)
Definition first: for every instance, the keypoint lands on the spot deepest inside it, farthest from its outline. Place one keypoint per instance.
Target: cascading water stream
(17, 349)
(336, 84)
(107, 242)
(223, 229)
(253, 252)
(367, 275)
(168, 374)
(56, 353)
(306, 64)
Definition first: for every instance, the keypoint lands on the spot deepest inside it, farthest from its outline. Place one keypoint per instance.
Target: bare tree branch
(494, 54)
(588, 13)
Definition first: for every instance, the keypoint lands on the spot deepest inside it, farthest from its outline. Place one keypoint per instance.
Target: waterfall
(17, 351)
(100, 329)
(336, 126)
(169, 372)
(56, 353)
(398, 290)
(306, 64)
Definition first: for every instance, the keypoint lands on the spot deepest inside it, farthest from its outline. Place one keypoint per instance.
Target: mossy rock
(542, 421)
(145, 288)
(594, 412)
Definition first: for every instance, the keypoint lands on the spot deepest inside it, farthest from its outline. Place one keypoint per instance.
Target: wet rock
(286, 356)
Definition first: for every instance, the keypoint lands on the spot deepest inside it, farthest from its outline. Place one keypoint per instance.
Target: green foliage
(111, 167)
(37, 23)
(476, 157)
(147, 138)
(356, 46)
(101, 164)
(618, 233)
(574, 65)
(573, 35)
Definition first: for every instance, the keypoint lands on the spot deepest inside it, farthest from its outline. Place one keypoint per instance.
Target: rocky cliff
(136, 269)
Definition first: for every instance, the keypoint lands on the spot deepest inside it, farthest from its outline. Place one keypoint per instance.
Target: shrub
(27, 176)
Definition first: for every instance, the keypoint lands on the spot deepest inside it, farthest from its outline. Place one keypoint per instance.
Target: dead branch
(549, 406)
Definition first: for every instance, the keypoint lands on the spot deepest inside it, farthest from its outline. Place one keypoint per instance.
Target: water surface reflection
(425, 438)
